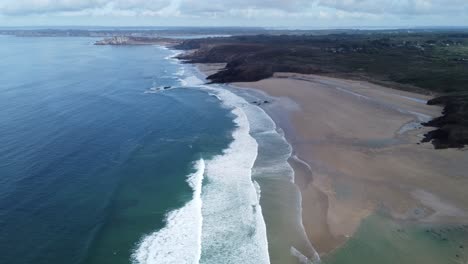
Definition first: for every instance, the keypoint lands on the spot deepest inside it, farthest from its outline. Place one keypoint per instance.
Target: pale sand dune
(350, 133)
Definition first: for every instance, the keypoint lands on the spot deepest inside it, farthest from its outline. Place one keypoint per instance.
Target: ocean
(122, 155)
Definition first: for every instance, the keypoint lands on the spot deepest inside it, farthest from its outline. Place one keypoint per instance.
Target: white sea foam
(180, 240)
(272, 167)
(233, 227)
(180, 72)
(162, 47)
(192, 81)
(153, 90)
(172, 58)
(173, 55)
(234, 230)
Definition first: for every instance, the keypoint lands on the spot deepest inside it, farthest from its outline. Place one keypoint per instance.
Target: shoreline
(279, 110)
(373, 160)
(287, 236)
(394, 109)
(283, 127)
(240, 209)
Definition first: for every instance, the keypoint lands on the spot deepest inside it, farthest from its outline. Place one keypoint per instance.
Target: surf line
(180, 240)
(226, 185)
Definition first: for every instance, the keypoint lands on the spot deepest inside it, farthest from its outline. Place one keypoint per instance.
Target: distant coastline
(130, 40)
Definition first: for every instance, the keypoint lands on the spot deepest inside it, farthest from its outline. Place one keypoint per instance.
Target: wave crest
(180, 240)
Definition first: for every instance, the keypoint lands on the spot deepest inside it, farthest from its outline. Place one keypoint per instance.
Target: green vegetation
(434, 63)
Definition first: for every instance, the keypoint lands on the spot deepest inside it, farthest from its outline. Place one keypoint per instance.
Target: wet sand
(357, 151)
(361, 142)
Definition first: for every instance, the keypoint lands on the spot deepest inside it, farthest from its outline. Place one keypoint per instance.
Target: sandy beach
(362, 143)
(357, 151)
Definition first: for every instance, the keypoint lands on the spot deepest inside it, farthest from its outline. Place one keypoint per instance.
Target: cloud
(186, 7)
(320, 9)
(20, 7)
(25, 7)
(398, 7)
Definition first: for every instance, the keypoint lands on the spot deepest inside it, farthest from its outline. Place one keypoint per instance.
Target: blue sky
(268, 13)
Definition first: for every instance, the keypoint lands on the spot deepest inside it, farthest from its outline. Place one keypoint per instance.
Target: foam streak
(180, 240)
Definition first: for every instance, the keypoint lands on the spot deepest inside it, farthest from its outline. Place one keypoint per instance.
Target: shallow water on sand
(280, 199)
(382, 240)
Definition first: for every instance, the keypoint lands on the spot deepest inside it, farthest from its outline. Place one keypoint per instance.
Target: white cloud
(398, 7)
(279, 11)
(24, 7)
(11, 7)
(188, 7)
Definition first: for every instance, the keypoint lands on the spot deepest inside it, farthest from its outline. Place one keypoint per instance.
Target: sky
(264, 13)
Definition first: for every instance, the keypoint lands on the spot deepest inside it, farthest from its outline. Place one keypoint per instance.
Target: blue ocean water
(99, 163)
(89, 162)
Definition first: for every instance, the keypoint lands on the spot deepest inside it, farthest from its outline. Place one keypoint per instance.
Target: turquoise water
(380, 239)
(90, 163)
